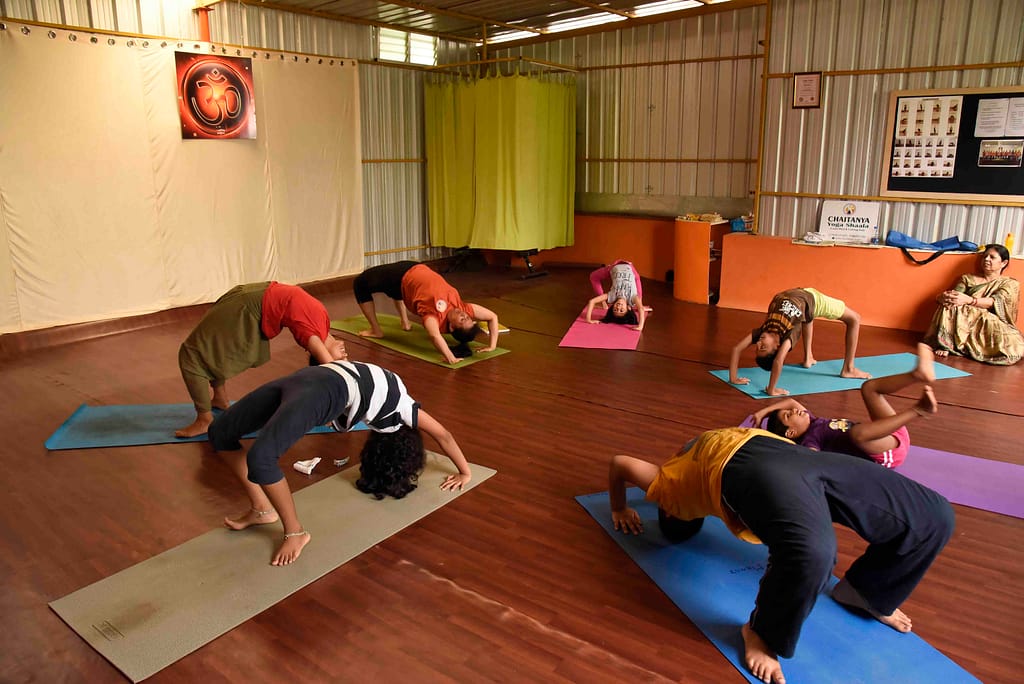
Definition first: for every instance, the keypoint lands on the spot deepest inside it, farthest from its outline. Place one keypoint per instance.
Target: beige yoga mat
(156, 612)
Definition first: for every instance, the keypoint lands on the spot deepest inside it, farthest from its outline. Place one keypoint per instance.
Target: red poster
(215, 96)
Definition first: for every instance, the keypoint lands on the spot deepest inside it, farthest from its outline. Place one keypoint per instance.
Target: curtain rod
(498, 60)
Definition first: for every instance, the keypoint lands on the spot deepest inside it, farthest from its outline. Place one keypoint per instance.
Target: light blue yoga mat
(713, 578)
(824, 375)
(131, 425)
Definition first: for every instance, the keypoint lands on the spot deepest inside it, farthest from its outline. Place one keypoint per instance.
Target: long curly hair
(390, 463)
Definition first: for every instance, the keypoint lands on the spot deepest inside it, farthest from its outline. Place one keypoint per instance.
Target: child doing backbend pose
(884, 439)
(235, 335)
(791, 313)
(427, 294)
(624, 298)
(342, 394)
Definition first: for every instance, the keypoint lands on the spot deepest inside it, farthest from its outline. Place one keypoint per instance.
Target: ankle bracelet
(300, 533)
(259, 513)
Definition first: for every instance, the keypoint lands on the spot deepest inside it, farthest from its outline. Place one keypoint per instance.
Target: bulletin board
(963, 144)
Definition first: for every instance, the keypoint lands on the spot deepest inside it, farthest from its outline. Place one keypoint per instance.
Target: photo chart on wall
(926, 135)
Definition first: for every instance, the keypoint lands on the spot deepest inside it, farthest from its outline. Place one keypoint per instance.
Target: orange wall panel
(879, 283)
(601, 239)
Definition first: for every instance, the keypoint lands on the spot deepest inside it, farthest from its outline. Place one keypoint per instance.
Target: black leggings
(789, 497)
(283, 410)
(386, 279)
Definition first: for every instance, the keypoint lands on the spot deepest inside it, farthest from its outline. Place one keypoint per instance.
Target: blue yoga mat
(713, 578)
(131, 425)
(824, 375)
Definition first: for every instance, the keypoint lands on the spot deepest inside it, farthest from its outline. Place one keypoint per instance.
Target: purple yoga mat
(966, 480)
(969, 481)
(601, 336)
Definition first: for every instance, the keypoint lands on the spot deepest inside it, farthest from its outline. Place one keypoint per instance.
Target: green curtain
(501, 161)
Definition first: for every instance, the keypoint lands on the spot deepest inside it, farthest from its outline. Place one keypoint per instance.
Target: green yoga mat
(156, 612)
(414, 342)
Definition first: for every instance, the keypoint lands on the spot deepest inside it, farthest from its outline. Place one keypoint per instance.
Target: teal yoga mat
(131, 425)
(713, 578)
(824, 375)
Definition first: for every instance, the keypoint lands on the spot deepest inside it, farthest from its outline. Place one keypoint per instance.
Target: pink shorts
(895, 457)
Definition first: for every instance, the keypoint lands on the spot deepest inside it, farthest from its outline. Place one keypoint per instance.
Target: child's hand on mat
(627, 521)
(453, 482)
(486, 349)
(739, 381)
(594, 322)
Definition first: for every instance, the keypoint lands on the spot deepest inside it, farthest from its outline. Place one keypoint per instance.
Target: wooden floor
(512, 582)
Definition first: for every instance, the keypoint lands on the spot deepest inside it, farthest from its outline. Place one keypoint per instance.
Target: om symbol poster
(215, 96)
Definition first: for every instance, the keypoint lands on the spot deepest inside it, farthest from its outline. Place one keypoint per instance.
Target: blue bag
(905, 242)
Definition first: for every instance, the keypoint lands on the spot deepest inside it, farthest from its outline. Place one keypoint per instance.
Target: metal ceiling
(491, 21)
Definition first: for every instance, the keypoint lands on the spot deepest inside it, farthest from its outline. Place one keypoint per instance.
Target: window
(401, 46)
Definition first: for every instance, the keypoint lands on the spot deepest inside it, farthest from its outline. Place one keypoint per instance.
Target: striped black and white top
(376, 396)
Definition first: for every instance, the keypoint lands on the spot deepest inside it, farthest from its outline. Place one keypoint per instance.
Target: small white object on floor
(306, 467)
(338, 462)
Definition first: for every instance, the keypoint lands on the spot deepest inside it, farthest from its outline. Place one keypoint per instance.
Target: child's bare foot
(198, 426)
(845, 593)
(292, 547)
(853, 372)
(371, 333)
(925, 370)
(761, 662)
(251, 517)
(810, 361)
(927, 403)
(406, 326)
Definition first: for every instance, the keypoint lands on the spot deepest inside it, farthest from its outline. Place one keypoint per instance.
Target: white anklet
(289, 535)
(259, 513)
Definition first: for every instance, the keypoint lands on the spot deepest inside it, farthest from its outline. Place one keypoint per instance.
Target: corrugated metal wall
(838, 149)
(667, 112)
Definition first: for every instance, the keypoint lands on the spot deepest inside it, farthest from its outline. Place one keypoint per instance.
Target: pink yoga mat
(966, 480)
(601, 336)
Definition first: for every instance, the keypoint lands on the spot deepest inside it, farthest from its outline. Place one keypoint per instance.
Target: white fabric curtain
(106, 212)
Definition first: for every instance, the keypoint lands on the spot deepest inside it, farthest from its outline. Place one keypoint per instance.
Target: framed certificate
(807, 90)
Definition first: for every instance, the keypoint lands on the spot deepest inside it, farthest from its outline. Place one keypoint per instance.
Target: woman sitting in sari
(976, 318)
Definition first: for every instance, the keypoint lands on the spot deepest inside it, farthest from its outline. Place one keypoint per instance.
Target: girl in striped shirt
(342, 394)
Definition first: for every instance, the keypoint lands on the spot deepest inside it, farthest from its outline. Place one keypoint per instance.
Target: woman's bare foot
(198, 427)
(925, 370)
(251, 517)
(220, 397)
(406, 326)
(371, 333)
(845, 593)
(292, 547)
(810, 361)
(854, 372)
(759, 659)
